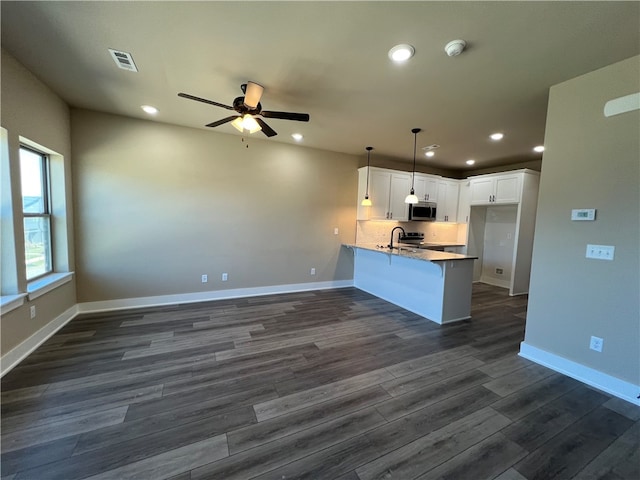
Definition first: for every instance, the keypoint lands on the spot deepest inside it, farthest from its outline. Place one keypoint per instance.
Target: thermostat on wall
(587, 214)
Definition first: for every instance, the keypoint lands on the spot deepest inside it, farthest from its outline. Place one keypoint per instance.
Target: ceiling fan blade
(253, 94)
(266, 129)
(222, 122)
(300, 117)
(204, 100)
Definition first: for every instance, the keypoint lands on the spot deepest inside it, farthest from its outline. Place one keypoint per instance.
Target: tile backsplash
(379, 232)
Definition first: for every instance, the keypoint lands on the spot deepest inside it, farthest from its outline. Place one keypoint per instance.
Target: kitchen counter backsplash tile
(373, 232)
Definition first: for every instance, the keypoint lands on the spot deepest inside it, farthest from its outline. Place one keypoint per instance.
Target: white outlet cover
(596, 344)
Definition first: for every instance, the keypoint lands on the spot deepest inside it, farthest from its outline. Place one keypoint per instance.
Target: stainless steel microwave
(423, 212)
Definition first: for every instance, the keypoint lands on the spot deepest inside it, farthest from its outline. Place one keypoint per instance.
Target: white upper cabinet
(400, 187)
(387, 191)
(426, 187)
(494, 189)
(447, 208)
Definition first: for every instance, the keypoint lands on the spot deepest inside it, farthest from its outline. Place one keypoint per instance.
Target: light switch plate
(600, 252)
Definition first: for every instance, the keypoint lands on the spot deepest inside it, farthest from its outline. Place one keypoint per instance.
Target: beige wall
(158, 205)
(590, 162)
(32, 111)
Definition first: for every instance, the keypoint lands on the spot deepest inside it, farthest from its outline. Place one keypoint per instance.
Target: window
(34, 173)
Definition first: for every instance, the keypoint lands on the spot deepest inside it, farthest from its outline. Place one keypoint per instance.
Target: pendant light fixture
(412, 198)
(366, 202)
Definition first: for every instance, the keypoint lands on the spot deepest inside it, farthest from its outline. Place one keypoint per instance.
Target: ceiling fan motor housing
(240, 107)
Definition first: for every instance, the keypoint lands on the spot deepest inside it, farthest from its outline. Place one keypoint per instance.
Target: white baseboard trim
(13, 357)
(496, 282)
(160, 300)
(619, 388)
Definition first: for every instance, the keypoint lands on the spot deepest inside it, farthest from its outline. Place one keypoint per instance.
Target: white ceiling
(329, 59)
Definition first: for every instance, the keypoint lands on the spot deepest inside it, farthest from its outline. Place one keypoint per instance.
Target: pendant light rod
(366, 202)
(412, 198)
(415, 132)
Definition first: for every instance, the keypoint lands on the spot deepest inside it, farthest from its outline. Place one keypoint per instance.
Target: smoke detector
(455, 47)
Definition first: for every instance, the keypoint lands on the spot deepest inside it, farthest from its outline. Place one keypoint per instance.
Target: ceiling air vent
(431, 147)
(124, 60)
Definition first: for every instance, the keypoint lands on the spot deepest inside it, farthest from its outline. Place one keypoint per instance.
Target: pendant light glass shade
(366, 202)
(412, 197)
(247, 122)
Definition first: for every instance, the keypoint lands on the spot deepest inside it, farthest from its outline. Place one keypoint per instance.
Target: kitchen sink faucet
(393, 230)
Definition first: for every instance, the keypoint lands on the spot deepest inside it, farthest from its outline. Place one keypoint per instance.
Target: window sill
(44, 285)
(35, 289)
(11, 302)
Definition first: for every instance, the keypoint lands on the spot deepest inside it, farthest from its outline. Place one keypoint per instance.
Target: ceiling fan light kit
(247, 122)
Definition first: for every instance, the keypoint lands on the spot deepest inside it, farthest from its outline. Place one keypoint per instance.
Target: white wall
(32, 111)
(589, 162)
(159, 205)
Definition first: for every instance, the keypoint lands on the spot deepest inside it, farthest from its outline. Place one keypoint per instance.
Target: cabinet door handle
(390, 214)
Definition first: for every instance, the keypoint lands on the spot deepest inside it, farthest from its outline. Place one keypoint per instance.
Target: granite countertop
(410, 252)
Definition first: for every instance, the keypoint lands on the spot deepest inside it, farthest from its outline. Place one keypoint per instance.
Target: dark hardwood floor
(318, 385)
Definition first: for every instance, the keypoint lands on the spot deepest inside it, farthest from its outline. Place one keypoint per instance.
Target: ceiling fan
(248, 107)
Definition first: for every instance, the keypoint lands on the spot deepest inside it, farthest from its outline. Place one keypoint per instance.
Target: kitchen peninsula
(433, 284)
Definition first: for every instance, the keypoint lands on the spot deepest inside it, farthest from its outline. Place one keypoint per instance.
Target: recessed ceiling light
(297, 136)
(539, 148)
(149, 109)
(402, 52)
(470, 162)
(496, 136)
(430, 153)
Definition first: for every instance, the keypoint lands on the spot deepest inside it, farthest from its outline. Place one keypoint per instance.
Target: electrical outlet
(205, 278)
(225, 277)
(335, 231)
(499, 271)
(313, 271)
(32, 311)
(596, 344)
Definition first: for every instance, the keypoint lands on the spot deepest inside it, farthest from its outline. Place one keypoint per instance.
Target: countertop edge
(414, 253)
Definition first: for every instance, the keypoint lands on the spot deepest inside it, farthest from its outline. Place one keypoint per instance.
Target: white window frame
(46, 212)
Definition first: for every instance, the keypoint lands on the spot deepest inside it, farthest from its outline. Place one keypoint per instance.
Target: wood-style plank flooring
(333, 384)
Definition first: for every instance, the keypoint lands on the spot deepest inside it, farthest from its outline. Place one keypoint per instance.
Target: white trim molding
(160, 300)
(13, 357)
(11, 302)
(602, 381)
(43, 285)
